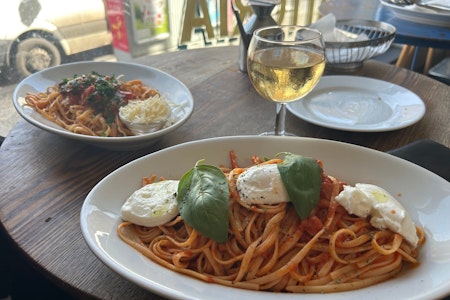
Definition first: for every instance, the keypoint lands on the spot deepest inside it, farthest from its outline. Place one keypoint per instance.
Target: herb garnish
(203, 193)
(100, 92)
(203, 197)
(302, 178)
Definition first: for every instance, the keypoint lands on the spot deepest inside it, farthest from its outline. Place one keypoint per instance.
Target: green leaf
(302, 178)
(203, 197)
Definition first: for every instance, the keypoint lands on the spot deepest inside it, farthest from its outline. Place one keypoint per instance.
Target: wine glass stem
(280, 119)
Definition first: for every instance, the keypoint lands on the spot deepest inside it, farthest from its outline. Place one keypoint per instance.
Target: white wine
(285, 74)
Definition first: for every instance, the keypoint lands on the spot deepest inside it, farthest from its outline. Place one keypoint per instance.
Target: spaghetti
(270, 248)
(89, 104)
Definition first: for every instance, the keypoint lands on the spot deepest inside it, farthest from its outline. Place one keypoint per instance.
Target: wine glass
(284, 64)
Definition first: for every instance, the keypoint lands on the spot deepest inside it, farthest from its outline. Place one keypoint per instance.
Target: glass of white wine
(284, 64)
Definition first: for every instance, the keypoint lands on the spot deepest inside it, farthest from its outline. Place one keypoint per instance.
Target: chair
(413, 57)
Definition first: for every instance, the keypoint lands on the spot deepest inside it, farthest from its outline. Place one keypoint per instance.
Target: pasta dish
(269, 247)
(89, 104)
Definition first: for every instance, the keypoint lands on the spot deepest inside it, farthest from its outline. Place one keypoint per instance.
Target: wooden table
(44, 178)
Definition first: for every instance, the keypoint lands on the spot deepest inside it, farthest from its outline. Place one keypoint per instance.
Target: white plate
(425, 196)
(355, 103)
(418, 14)
(170, 87)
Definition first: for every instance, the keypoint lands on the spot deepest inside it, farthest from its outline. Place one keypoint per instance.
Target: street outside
(8, 115)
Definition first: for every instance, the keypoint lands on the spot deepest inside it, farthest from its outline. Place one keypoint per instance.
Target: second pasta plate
(423, 194)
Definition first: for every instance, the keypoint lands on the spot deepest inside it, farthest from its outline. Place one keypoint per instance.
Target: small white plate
(355, 103)
(424, 195)
(170, 87)
(423, 15)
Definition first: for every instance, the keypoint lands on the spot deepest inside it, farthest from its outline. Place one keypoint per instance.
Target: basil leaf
(203, 197)
(302, 178)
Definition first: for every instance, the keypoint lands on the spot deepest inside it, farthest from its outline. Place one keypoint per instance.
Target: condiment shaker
(261, 18)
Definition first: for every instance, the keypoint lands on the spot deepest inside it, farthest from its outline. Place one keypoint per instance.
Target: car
(37, 34)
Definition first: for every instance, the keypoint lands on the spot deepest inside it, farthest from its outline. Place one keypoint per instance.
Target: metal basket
(351, 55)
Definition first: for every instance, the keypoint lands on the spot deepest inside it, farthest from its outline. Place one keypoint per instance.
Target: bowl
(372, 38)
(148, 115)
(168, 86)
(144, 128)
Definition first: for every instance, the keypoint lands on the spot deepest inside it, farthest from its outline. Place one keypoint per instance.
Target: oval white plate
(425, 196)
(355, 103)
(170, 87)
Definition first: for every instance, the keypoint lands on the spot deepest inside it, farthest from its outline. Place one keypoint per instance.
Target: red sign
(117, 25)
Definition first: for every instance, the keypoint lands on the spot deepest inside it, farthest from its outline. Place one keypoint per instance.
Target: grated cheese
(151, 110)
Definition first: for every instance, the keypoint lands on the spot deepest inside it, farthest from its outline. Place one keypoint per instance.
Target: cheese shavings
(151, 110)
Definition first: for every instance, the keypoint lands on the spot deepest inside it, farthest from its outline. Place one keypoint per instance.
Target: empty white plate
(363, 104)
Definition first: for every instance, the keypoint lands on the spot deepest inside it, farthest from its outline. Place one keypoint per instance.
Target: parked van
(37, 34)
